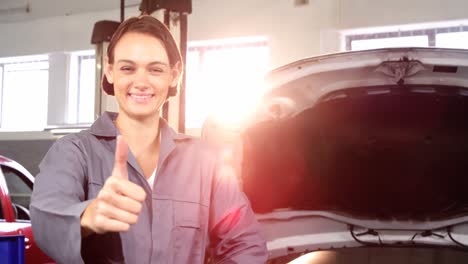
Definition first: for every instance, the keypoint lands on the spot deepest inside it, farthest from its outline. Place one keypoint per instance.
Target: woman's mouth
(140, 98)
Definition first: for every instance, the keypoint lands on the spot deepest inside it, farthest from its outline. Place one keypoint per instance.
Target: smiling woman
(132, 190)
(141, 75)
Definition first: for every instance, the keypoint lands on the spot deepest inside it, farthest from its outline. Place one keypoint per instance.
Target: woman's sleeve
(234, 232)
(58, 200)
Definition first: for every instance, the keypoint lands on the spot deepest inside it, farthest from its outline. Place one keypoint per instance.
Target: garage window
(28, 96)
(414, 41)
(456, 40)
(24, 89)
(224, 78)
(443, 37)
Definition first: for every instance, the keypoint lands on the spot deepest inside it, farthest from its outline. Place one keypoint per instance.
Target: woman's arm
(58, 200)
(234, 232)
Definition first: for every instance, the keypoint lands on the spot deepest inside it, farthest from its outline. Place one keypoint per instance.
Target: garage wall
(294, 32)
(310, 29)
(368, 13)
(54, 34)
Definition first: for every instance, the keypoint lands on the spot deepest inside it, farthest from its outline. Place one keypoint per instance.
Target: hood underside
(298, 86)
(383, 151)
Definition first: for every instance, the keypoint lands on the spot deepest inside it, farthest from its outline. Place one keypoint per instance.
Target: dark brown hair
(144, 24)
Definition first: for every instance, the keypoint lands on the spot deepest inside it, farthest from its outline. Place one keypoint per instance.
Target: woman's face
(141, 75)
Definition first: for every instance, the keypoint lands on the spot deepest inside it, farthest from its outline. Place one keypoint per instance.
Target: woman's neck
(140, 134)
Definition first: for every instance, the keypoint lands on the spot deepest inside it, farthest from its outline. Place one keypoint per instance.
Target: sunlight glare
(230, 83)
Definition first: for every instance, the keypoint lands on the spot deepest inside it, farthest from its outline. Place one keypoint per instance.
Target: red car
(16, 185)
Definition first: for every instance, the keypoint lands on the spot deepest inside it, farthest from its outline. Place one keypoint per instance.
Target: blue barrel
(12, 249)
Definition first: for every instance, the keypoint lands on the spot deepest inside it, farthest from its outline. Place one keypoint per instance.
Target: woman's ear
(176, 73)
(108, 70)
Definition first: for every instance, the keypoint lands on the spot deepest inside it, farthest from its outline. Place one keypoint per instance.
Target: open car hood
(299, 85)
(375, 141)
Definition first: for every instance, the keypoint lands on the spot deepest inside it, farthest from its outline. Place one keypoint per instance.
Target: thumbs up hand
(119, 202)
(120, 160)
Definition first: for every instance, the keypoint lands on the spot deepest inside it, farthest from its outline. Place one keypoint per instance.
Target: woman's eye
(126, 68)
(156, 70)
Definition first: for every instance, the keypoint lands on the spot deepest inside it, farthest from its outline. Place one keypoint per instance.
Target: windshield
(20, 190)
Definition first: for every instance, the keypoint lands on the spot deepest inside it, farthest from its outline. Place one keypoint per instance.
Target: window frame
(76, 57)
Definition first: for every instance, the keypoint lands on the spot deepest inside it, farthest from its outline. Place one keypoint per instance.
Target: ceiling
(12, 11)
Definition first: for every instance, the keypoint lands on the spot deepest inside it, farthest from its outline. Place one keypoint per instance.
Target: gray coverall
(193, 205)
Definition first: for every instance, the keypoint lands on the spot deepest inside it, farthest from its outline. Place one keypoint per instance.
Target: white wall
(298, 32)
(294, 32)
(57, 109)
(55, 34)
(368, 13)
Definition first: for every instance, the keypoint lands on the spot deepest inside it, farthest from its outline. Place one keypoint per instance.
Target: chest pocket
(188, 232)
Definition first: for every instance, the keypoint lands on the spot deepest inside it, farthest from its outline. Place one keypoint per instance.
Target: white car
(362, 157)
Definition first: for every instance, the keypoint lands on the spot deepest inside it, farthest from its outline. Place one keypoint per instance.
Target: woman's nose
(141, 79)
